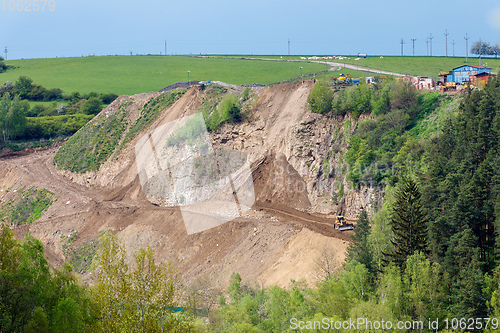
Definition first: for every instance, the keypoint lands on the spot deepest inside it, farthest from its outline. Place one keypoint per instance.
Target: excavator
(341, 223)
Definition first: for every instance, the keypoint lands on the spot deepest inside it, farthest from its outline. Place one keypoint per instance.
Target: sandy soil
(277, 240)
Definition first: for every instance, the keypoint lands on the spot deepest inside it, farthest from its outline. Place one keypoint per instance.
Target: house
(463, 73)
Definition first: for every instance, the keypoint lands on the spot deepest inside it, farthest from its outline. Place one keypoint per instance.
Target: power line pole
(430, 38)
(427, 42)
(165, 47)
(446, 35)
(413, 40)
(402, 46)
(288, 46)
(6, 53)
(453, 43)
(466, 48)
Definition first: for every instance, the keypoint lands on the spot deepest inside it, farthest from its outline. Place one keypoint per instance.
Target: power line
(446, 35)
(466, 48)
(402, 46)
(413, 40)
(430, 38)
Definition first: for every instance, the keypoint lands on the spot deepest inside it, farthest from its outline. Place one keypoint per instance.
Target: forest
(429, 254)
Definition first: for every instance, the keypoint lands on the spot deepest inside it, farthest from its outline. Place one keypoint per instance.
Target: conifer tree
(359, 249)
(409, 224)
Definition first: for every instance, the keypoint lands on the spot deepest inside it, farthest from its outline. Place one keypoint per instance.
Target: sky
(313, 27)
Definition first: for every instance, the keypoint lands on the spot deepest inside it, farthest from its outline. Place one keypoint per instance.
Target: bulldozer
(341, 224)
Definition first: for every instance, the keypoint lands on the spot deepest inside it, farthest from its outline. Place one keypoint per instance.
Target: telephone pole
(427, 42)
(165, 47)
(453, 43)
(402, 46)
(6, 53)
(446, 35)
(413, 40)
(288, 46)
(430, 38)
(466, 48)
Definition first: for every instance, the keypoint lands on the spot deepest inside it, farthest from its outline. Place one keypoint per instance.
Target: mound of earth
(281, 236)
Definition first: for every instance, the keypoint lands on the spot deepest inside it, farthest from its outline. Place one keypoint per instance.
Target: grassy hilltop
(137, 74)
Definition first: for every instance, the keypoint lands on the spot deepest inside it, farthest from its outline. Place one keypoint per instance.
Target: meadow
(137, 74)
(416, 66)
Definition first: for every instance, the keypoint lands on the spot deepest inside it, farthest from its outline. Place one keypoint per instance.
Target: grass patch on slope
(26, 206)
(95, 143)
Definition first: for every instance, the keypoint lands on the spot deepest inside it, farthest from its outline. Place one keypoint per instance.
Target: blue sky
(76, 28)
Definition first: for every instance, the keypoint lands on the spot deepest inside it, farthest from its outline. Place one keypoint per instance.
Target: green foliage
(53, 126)
(142, 299)
(219, 110)
(151, 110)
(358, 249)
(34, 298)
(80, 257)
(408, 223)
(12, 117)
(24, 85)
(3, 66)
(320, 98)
(26, 206)
(93, 144)
(92, 106)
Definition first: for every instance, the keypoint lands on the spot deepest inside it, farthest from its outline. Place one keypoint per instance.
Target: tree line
(21, 118)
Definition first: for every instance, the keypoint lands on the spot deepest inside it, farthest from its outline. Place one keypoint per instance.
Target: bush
(8, 87)
(92, 106)
(108, 98)
(37, 93)
(52, 94)
(24, 85)
(320, 98)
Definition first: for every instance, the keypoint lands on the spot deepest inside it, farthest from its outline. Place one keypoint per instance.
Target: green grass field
(420, 66)
(138, 74)
(417, 66)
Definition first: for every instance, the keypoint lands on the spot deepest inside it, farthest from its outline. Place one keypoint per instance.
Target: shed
(463, 73)
(480, 80)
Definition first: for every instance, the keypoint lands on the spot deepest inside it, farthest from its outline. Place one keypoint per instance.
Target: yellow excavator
(341, 223)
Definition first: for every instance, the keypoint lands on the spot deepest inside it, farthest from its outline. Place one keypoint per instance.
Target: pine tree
(358, 249)
(409, 224)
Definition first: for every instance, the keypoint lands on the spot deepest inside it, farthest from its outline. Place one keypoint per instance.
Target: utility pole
(466, 48)
(288, 46)
(402, 46)
(6, 53)
(413, 40)
(453, 43)
(427, 42)
(446, 35)
(430, 38)
(165, 47)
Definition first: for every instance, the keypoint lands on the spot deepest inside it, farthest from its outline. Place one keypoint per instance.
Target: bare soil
(278, 240)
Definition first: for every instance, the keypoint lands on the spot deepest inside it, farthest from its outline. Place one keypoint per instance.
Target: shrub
(320, 98)
(92, 106)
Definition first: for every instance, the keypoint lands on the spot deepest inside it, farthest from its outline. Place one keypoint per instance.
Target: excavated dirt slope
(279, 239)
